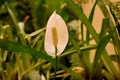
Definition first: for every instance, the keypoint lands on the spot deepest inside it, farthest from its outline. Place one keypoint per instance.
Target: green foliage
(22, 51)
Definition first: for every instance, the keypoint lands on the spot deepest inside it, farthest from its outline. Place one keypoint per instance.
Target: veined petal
(56, 21)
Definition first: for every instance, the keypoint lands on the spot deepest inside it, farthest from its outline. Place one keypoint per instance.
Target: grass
(23, 53)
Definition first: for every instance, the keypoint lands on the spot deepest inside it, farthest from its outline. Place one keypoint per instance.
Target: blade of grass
(88, 47)
(104, 29)
(15, 22)
(88, 35)
(115, 37)
(101, 46)
(92, 11)
(19, 34)
(15, 47)
(105, 58)
(108, 76)
(90, 19)
(82, 56)
(79, 13)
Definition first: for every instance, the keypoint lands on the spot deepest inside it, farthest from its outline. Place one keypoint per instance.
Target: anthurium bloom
(56, 35)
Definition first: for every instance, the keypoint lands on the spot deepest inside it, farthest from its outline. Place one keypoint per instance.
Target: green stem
(55, 62)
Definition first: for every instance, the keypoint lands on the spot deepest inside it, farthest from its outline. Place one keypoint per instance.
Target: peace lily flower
(56, 35)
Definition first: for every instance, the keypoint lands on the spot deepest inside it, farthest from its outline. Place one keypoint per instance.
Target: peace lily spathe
(56, 35)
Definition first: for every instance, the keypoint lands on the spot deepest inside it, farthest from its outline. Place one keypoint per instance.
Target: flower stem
(55, 62)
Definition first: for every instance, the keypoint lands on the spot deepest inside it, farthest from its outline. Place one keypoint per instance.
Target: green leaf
(104, 29)
(90, 19)
(101, 46)
(76, 59)
(115, 37)
(107, 75)
(105, 58)
(92, 11)
(15, 47)
(79, 13)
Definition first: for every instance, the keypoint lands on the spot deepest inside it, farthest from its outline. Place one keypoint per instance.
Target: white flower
(56, 35)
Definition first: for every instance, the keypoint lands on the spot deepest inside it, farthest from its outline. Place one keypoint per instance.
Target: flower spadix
(56, 35)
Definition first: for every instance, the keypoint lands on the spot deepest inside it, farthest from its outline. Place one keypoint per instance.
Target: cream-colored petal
(56, 21)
